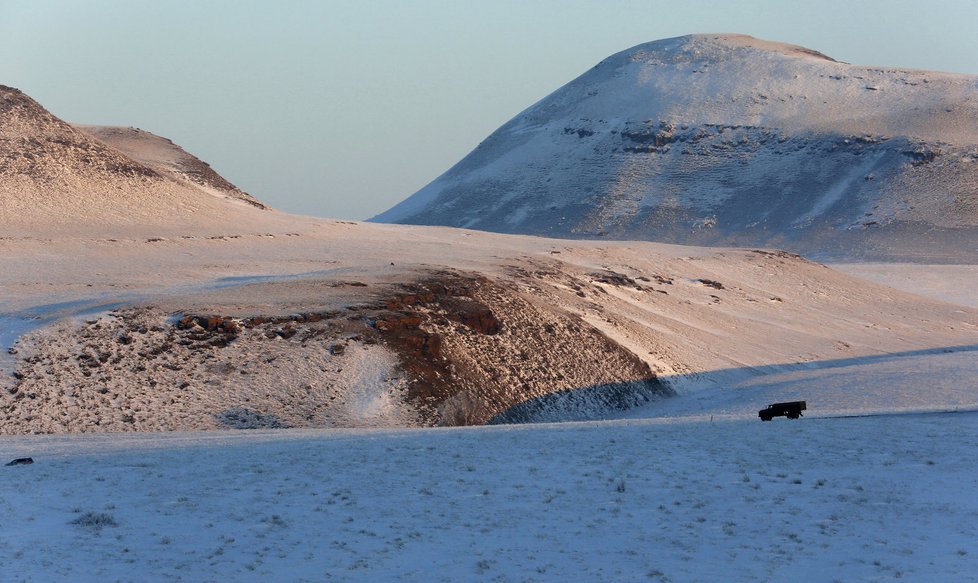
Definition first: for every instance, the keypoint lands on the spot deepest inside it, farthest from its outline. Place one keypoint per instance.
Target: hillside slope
(140, 292)
(354, 325)
(727, 139)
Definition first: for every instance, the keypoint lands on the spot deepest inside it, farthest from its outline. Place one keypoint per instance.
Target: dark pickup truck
(791, 410)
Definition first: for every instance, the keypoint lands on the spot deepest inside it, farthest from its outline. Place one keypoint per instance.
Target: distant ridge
(166, 158)
(723, 139)
(55, 177)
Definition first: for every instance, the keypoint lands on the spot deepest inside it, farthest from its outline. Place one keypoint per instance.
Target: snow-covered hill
(139, 292)
(727, 139)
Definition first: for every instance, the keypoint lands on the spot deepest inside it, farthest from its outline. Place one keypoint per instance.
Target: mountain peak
(714, 47)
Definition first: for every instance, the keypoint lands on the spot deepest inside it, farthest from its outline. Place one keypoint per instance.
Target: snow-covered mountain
(727, 139)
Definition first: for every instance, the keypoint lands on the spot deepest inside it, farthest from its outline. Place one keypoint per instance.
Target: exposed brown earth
(456, 363)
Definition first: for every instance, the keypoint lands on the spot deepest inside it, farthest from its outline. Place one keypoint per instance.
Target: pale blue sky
(343, 109)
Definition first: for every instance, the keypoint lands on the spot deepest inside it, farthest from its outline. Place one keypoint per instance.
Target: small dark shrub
(95, 520)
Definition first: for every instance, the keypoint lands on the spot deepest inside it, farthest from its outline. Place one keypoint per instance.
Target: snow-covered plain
(827, 499)
(760, 313)
(689, 488)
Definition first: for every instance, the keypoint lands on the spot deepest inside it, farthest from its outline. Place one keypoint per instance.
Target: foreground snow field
(819, 499)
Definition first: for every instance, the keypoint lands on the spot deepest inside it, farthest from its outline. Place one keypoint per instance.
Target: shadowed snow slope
(727, 139)
(60, 180)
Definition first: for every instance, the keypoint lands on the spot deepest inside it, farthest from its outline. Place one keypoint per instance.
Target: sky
(343, 109)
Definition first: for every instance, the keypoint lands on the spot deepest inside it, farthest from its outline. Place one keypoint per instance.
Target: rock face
(56, 178)
(727, 139)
